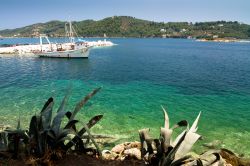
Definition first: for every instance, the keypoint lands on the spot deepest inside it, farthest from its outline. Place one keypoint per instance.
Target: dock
(32, 49)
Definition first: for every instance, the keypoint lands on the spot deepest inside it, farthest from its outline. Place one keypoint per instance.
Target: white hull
(79, 53)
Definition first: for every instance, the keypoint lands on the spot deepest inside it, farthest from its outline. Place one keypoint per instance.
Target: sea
(137, 77)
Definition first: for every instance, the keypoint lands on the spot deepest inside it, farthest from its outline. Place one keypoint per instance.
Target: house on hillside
(163, 30)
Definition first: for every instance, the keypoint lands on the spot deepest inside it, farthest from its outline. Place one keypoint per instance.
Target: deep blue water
(138, 76)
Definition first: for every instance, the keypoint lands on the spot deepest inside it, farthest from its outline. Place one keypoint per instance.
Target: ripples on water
(137, 76)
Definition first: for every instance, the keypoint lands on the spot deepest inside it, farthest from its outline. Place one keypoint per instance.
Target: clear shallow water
(138, 76)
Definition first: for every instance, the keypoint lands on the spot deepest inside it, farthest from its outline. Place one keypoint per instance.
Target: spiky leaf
(90, 124)
(83, 102)
(166, 118)
(171, 155)
(46, 113)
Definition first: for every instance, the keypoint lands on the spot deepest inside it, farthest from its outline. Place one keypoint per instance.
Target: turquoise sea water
(138, 76)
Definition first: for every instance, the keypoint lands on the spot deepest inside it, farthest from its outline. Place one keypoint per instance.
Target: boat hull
(80, 53)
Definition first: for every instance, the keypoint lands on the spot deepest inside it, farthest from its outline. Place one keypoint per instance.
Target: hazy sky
(18, 13)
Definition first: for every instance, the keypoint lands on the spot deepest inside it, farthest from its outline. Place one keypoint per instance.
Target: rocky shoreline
(224, 40)
(132, 151)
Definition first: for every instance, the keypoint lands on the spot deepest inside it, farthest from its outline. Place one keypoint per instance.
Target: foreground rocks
(127, 150)
(132, 151)
(123, 154)
(232, 159)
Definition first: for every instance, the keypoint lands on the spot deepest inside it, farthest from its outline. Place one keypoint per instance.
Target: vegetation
(47, 142)
(166, 152)
(125, 26)
(47, 139)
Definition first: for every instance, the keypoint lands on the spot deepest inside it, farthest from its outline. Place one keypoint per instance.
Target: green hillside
(124, 26)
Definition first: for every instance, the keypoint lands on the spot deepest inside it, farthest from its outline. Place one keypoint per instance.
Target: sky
(19, 13)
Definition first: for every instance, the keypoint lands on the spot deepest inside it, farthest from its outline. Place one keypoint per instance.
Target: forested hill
(124, 26)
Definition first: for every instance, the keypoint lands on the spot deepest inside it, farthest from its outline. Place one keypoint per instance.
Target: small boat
(75, 53)
(70, 49)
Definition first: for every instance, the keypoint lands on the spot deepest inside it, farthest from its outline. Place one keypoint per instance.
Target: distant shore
(224, 40)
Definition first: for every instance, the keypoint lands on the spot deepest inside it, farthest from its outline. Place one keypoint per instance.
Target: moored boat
(71, 49)
(76, 53)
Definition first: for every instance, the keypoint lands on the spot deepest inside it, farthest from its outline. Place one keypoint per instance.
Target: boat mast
(41, 42)
(71, 36)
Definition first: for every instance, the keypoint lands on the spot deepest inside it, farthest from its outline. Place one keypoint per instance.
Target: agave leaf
(144, 135)
(190, 139)
(34, 132)
(194, 126)
(171, 155)
(199, 162)
(64, 101)
(182, 123)
(166, 118)
(64, 133)
(180, 161)
(19, 123)
(218, 159)
(83, 102)
(51, 134)
(211, 158)
(146, 141)
(47, 104)
(56, 123)
(46, 113)
(166, 135)
(178, 138)
(63, 139)
(68, 114)
(33, 126)
(70, 124)
(187, 144)
(93, 140)
(191, 163)
(90, 124)
(218, 163)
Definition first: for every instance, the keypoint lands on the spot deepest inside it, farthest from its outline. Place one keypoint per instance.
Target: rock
(133, 153)
(135, 144)
(108, 155)
(212, 145)
(193, 155)
(118, 148)
(232, 159)
(126, 150)
(4, 127)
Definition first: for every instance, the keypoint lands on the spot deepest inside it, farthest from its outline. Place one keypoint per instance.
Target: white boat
(71, 49)
(76, 53)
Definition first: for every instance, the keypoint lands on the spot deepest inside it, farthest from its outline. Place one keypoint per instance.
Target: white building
(163, 30)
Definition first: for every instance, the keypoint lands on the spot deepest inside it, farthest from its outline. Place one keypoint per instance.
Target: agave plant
(47, 134)
(167, 151)
(3, 137)
(16, 139)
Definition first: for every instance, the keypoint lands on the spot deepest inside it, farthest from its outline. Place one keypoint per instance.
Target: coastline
(224, 40)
